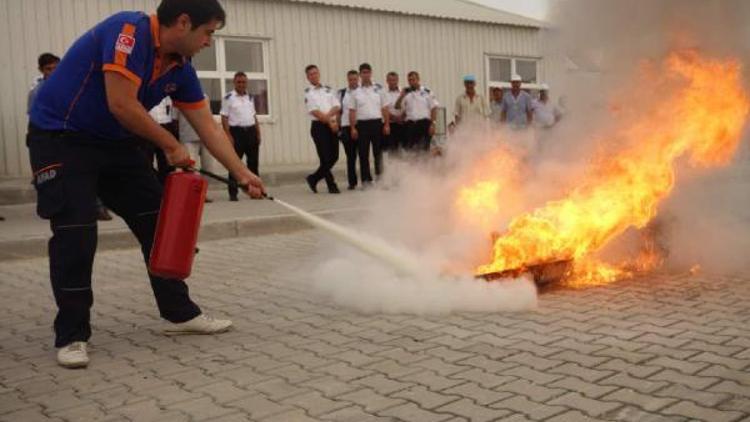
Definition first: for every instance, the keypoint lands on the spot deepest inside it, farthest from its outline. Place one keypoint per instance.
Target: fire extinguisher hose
(372, 246)
(223, 179)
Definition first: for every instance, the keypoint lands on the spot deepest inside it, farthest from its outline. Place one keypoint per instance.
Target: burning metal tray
(544, 273)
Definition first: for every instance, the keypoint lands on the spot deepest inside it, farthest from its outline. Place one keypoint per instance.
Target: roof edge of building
(517, 20)
(534, 23)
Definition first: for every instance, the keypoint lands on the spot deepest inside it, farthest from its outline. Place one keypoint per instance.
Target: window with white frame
(216, 66)
(500, 69)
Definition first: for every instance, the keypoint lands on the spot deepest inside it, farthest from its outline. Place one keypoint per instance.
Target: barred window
(217, 65)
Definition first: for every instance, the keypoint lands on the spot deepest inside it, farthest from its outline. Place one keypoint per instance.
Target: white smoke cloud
(705, 221)
(411, 215)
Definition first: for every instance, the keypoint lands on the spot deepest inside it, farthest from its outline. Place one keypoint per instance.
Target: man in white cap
(470, 106)
(545, 114)
(517, 106)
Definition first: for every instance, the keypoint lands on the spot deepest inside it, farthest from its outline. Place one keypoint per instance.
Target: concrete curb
(36, 247)
(19, 191)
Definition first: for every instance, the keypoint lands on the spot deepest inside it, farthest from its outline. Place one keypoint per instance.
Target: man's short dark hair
(199, 11)
(392, 73)
(309, 68)
(46, 59)
(365, 66)
(239, 75)
(413, 73)
(352, 72)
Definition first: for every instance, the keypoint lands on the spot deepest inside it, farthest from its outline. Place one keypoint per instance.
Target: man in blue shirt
(81, 140)
(517, 107)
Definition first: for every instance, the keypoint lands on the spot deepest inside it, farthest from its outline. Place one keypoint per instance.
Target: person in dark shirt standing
(47, 64)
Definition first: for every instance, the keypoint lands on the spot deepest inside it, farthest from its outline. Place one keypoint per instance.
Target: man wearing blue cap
(470, 106)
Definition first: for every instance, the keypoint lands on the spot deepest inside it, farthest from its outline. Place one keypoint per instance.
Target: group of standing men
(515, 107)
(366, 116)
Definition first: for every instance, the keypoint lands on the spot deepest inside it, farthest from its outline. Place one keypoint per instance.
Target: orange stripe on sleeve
(123, 71)
(190, 106)
(121, 58)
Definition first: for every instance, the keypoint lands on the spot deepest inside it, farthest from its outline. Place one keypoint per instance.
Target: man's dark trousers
(350, 149)
(327, 148)
(418, 135)
(370, 133)
(397, 139)
(70, 171)
(246, 144)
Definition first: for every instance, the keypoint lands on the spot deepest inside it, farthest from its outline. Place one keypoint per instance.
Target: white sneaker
(201, 324)
(74, 355)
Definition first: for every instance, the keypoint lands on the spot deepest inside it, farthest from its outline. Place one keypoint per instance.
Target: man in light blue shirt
(517, 108)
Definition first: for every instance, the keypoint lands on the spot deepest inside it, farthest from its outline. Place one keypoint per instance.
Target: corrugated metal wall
(337, 39)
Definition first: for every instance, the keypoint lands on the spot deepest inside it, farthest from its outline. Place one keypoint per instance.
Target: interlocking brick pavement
(659, 348)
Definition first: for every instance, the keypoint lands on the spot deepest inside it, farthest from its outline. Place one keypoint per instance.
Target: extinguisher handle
(228, 181)
(215, 176)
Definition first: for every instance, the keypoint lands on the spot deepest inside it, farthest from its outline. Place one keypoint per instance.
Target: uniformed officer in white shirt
(163, 114)
(345, 135)
(238, 118)
(420, 107)
(394, 126)
(324, 109)
(366, 105)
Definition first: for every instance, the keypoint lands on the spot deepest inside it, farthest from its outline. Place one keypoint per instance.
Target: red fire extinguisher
(177, 228)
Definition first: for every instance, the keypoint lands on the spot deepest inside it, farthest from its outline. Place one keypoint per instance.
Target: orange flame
(496, 177)
(703, 118)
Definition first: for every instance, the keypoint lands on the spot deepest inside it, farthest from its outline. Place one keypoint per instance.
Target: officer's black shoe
(333, 189)
(233, 199)
(312, 183)
(351, 187)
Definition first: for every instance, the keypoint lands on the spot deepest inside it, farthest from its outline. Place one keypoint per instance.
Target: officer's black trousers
(418, 135)
(245, 144)
(397, 139)
(70, 170)
(370, 133)
(350, 149)
(327, 148)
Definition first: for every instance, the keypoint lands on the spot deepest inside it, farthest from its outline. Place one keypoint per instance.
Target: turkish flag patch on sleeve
(125, 43)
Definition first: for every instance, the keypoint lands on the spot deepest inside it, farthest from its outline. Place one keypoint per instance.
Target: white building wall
(336, 39)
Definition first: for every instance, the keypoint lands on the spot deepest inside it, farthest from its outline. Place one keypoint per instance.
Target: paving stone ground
(667, 347)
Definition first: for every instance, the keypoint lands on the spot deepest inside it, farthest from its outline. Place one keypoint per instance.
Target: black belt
(37, 130)
(420, 120)
(241, 127)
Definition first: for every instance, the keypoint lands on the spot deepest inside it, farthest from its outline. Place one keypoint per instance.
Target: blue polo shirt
(74, 96)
